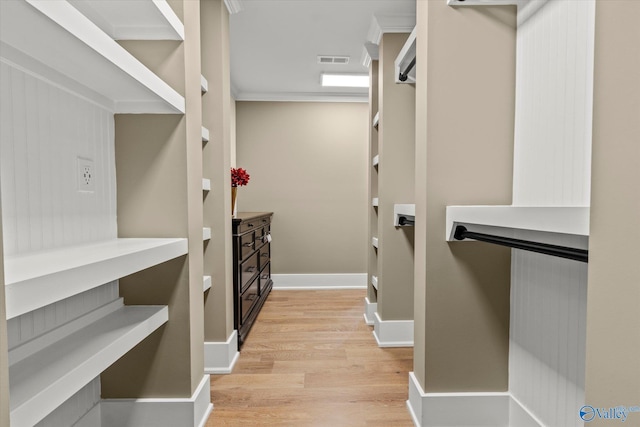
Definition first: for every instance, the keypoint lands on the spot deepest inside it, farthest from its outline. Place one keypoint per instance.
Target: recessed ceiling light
(345, 80)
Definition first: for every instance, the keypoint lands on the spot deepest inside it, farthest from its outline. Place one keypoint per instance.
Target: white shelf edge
(204, 85)
(38, 279)
(376, 120)
(206, 233)
(43, 381)
(374, 282)
(572, 220)
(374, 242)
(376, 160)
(205, 134)
(406, 210)
(206, 184)
(206, 283)
(375, 201)
(406, 54)
(171, 17)
(72, 33)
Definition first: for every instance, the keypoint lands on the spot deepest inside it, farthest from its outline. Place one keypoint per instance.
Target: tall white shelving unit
(59, 50)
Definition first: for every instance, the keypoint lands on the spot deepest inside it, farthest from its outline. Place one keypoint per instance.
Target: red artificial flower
(239, 177)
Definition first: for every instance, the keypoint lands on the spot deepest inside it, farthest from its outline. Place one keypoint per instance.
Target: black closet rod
(403, 75)
(581, 255)
(403, 220)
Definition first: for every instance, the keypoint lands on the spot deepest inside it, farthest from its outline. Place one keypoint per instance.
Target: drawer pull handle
(250, 269)
(249, 225)
(248, 245)
(264, 276)
(264, 255)
(250, 297)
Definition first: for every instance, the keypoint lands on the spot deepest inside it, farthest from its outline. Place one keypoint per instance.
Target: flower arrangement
(239, 177)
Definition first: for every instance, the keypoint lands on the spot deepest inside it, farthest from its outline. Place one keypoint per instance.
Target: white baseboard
(221, 357)
(489, 409)
(160, 412)
(370, 309)
(392, 333)
(319, 281)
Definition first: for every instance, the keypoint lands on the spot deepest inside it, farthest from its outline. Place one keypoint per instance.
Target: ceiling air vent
(326, 59)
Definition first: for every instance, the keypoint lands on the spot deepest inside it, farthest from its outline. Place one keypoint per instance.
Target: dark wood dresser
(251, 268)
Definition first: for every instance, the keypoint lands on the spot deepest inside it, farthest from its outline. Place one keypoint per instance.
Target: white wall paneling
(43, 131)
(547, 335)
(554, 103)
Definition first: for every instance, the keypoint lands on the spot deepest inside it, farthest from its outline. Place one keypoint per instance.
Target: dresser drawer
(248, 299)
(247, 245)
(265, 277)
(265, 255)
(248, 270)
(249, 226)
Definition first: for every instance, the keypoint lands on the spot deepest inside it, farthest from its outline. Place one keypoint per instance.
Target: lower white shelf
(404, 214)
(206, 184)
(546, 219)
(374, 242)
(205, 134)
(374, 282)
(42, 381)
(206, 283)
(375, 201)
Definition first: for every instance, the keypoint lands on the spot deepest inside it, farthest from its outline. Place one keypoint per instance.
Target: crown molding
(369, 52)
(233, 6)
(302, 97)
(389, 24)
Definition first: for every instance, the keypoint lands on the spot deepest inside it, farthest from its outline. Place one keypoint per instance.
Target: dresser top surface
(246, 216)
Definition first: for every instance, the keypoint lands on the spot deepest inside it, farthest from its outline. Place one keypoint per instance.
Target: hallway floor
(310, 360)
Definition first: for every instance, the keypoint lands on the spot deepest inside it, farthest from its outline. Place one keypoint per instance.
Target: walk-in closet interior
(482, 196)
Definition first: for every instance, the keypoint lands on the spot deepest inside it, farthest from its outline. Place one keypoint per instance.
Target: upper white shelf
(205, 134)
(550, 219)
(375, 201)
(206, 233)
(376, 160)
(133, 19)
(55, 40)
(376, 120)
(44, 380)
(38, 279)
(204, 85)
(206, 283)
(404, 58)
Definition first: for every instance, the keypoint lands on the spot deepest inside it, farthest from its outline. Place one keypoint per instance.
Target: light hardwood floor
(310, 360)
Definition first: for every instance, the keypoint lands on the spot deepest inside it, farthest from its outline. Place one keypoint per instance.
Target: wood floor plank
(310, 360)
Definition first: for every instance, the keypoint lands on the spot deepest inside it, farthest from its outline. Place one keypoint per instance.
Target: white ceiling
(275, 44)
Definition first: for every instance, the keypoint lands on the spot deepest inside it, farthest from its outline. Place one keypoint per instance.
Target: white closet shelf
(204, 85)
(404, 58)
(376, 160)
(206, 184)
(205, 134)
(482, 2)
(376, 120)
(56, 41)
(206, 283)
(374, 242)
(407, 211)
(38, 279)
(133, 20)
(572, 220)
(44, 380)
(375, 201)
(374, 282)
(206, 233)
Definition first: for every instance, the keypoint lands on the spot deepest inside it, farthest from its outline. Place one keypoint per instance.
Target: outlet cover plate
(86, 175)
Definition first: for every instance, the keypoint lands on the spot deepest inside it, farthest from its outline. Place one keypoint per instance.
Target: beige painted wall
(307, 163)
(159, 181)
(465, 121)
(613, 300)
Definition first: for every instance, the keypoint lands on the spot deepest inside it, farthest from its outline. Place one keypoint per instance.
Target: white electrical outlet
(86, 175)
